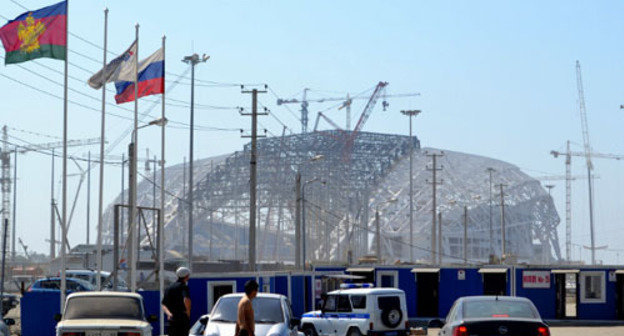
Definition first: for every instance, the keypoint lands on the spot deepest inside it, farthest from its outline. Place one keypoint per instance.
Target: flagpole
(102, 140)
(161, 217)
(64, 186)
(133, 194)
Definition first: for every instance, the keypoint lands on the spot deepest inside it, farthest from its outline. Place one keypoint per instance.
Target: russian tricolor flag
(151, 79)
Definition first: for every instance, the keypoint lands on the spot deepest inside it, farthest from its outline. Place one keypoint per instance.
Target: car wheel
(354, 332)
(309, 331)
(391, 317)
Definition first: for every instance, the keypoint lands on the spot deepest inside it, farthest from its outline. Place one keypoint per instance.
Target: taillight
(543, 331)
(500, 315)
(460, 331)
(407, 325)
(370, 326)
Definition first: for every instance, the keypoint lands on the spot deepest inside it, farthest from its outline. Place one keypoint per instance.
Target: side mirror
(58, 317)
(204, 320)
(152, 318)
(9, 321)
(295, 322)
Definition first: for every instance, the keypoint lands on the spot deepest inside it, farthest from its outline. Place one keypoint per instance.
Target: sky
(496, 78)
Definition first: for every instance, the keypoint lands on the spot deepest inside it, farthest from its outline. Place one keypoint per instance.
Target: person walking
(176, 304)
(246, 322)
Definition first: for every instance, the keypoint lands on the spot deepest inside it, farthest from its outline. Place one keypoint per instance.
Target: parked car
(272, 312)
(4, 326)
(200, 326)
(359, 311)
(54, 285)
(9, 301)
(494, 315)
(104, 313)
(91, 277)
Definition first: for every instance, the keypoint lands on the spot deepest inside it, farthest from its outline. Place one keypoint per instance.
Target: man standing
(246, 322)
(177, 304)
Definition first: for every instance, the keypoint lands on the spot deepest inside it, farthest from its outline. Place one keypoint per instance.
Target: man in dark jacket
(176, 304)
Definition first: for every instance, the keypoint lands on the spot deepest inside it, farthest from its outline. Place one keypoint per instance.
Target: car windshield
(266, 310)
(112, 307)
(498, 308)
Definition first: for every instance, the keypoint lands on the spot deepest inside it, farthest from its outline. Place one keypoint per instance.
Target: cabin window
(593, 287)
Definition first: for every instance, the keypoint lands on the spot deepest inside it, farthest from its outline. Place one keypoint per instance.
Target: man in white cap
(177, 304)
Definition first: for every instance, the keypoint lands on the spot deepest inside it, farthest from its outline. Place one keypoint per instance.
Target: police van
(359, 311)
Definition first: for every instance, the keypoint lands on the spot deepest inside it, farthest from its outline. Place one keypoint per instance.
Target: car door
(344, 311)
(324, 324)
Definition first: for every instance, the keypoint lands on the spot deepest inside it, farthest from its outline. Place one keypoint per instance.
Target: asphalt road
(573, 331)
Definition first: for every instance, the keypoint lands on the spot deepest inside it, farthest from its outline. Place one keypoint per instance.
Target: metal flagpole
(161, 217)
(102, 140)
(133, 177)
(64, 185)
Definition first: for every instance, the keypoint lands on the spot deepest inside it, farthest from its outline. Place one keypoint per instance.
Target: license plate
(392, 333)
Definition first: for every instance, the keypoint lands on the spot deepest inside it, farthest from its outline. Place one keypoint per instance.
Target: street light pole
(192, 60)
(491, 170)
(411, 113)
(378, 228)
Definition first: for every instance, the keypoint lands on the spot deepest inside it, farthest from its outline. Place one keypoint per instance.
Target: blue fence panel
(151, 301)
(407, 283)
(452, 287)
(544, 299)
(281, 285)
(298, 295)
(37, 313)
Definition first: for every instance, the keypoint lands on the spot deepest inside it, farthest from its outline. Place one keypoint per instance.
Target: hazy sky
(496, 78)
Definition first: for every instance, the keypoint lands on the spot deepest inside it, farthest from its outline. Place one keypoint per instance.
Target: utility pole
(491, 170)
(123, 195)
(568, 202)
(184, 201)
(52, 217)
(465, 235)
(378, 237)
(298, 220)
(410, 114)
(434, 183)
(89, 196)
(549, 187)
(440, 238)
(192, 60)
(14, 225)
(252, 171)
(503, 230)
(5, 157)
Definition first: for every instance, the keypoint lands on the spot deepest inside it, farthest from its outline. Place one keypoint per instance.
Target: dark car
(9, 301)
(54, 285)
(494, 315)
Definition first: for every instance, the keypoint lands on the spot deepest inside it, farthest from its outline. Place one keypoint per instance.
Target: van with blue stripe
(359, 311)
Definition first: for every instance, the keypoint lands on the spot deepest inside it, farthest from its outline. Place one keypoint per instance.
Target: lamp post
(303, 215)
(298, 197)
(378, 228)
(133, 173)
(491, 170)
(411, 113)
(192, 60)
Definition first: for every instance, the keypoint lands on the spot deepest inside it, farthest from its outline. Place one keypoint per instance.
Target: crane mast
(587, 147)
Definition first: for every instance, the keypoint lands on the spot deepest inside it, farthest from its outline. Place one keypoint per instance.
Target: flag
(36, 34)
(119, 69)
(151, 79)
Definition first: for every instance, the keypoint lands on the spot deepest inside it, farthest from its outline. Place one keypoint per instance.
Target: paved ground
(573, 331)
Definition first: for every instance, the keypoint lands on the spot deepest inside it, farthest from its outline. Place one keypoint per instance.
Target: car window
(452, 313)
(343, 303)
(358, 301)
(388, 302)
(266, 310)
(498, 308)
(89, 307)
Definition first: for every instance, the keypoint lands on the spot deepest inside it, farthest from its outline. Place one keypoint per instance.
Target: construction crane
(346, 103)
(6, 180)
(25, 248)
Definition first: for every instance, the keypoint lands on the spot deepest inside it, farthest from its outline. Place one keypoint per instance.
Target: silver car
(272, 313)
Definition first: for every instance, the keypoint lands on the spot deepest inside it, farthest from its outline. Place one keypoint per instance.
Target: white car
(104, 314)
(359, 311)
(272, 313)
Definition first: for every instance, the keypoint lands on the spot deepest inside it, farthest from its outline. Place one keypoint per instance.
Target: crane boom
(58, 144)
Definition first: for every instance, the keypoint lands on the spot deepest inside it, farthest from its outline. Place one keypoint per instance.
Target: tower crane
(568, 154)
(346, 104)
(6, 180)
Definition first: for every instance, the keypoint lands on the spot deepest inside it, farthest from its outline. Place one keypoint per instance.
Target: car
(4, 326)
(200, 326)
(494, 315)
(272, 312)
(54, 285)
(9, 301)
(359, 311)
(104, 314)
(91, 277)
